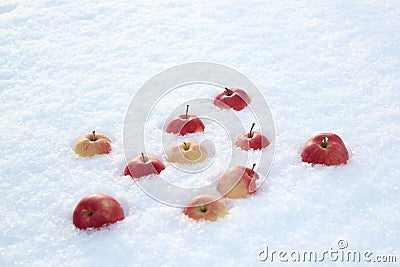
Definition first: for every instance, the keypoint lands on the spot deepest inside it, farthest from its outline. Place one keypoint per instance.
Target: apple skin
(92, 144)
(184, 124)
(143, 166)
(205, 207)
(187, 152)
(237, 182)
(97, 210)
(253, 141)
(232, 98)
(333, 152)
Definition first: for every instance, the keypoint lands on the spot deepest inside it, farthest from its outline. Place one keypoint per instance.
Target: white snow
(67, 68)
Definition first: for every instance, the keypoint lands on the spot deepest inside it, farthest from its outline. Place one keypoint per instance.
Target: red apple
(325, 148)
(205, 207)
(232, 98)
(97, 210)
(185, 123)
(253, 139)
(92, 144)
(143, 166)
(238, 182)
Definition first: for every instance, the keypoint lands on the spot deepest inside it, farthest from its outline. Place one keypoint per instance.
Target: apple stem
(94, 135)
(250, 135)
(203, 208)
(143, 159)
(87, 212)
(185, 145)
(187, 111)
(227, 91)
(252, 169)
(324, 142)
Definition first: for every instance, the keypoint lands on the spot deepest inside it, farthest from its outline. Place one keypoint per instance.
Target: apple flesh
(325, 148)
(205, 207)
(97, 210)
(252, 140)
(143, 166)
(92, 144)
(188, 152)
(185, 123)
(238, 182)
(232, 98)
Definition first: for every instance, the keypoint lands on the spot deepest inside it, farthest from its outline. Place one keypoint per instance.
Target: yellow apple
(205, 207)
(187, 152)
(92, 144)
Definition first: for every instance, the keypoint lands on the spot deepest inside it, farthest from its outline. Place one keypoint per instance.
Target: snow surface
(67, 68)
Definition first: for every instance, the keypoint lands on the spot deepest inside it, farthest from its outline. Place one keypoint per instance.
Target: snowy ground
(67, 68)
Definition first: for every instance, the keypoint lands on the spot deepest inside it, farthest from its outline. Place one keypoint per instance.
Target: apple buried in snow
(238, 182)
(232, 98)
(143, 166)
(187, 152)
(185, 123)
(92, 144)
(325, 148)
(97, 210)
(205, 207)
(252, 140)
